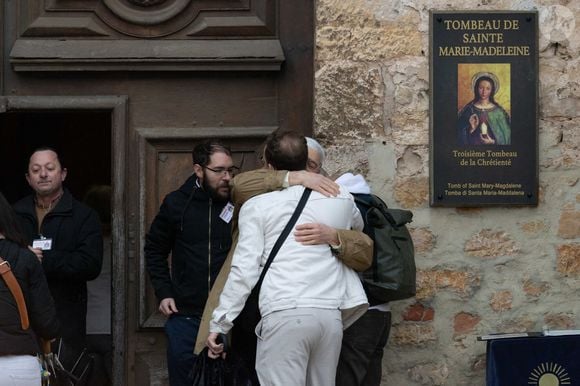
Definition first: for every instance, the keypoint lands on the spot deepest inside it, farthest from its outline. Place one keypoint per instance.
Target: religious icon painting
(483, 103)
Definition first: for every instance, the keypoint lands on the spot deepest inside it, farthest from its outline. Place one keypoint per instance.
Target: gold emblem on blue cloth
(549, 374)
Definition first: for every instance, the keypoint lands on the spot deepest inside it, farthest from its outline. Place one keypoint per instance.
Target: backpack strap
(395, 217)
(14, 287)
(376, 202)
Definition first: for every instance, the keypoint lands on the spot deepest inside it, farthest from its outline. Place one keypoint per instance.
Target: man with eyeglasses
(194, 226)
(316, 156)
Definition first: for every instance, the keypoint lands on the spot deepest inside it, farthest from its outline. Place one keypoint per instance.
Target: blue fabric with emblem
(534, 361)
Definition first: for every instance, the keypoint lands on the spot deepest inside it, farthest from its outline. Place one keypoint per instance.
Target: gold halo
(491, 75)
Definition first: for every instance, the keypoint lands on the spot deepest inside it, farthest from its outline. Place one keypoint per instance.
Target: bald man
(65, 236)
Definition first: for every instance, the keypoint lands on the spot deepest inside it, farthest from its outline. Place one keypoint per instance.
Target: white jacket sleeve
(357, 220)
(245, 270)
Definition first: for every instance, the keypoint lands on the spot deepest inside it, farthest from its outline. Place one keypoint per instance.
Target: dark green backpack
(392, 275)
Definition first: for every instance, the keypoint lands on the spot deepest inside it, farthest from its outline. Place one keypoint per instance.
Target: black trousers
(361, 354)
(100, 348)
(244, 343)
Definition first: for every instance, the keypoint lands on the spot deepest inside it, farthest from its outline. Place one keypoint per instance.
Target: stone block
(559, 90)
(430, 373)
(534, 288)
(412, 162)
(418, 313)
(560, 143)
(568, 260)
(410, 128)
(489, 244)
(412, 334)
(430, 282)
(343, 12)
(559, 321)
(423, 240)
(534, 227)
(349, 100)
(501, 301)
(569, 225)
(412, 192)
(464, 323)
(346, 158)
(367, 43)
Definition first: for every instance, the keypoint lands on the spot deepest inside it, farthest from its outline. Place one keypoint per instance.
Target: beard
(218, 194)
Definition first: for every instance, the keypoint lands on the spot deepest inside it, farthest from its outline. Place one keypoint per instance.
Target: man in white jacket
(308, 295)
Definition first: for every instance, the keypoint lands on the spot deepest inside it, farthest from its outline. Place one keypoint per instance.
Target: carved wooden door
(184, 70)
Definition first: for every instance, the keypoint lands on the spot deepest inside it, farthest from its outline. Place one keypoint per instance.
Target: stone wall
(481, 269)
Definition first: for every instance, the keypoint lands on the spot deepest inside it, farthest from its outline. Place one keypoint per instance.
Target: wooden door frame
(117, 106)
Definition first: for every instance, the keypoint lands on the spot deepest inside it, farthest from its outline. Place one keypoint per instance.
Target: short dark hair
(46, 148)
(9, 224)
(203, 151)
(286, 150)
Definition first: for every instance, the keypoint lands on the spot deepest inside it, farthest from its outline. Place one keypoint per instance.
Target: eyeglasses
(313, 165)
(232, 171)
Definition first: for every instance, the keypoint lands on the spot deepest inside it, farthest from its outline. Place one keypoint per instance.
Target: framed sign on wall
(483, 108)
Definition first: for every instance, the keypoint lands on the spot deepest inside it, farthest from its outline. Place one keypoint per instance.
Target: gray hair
(312, 143)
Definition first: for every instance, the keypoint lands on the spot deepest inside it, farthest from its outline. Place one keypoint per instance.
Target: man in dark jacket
(65, 236)
(194, 225)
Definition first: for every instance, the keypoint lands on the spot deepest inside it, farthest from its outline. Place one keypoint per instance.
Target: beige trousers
(299, 347)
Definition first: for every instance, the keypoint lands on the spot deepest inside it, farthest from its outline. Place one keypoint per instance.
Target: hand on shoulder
(314, 181)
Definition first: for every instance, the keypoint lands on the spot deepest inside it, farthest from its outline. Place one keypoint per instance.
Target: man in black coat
(194, 225)
(65, 236)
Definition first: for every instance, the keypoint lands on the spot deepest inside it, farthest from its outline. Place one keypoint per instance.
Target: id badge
(227, 212)
(42, 244)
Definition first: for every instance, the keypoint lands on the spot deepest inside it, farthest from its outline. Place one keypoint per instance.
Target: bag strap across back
(284, 235)
(16, 291)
